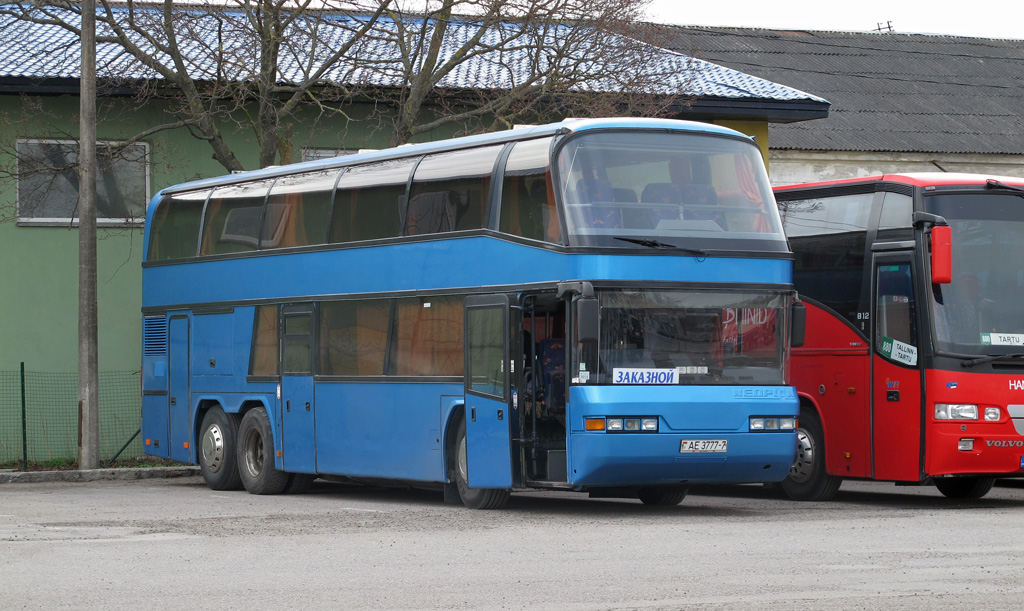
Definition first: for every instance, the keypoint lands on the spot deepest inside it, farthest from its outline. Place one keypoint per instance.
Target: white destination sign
(898, 351)
(1002, 339)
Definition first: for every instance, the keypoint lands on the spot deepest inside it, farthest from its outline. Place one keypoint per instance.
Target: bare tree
(257, 64)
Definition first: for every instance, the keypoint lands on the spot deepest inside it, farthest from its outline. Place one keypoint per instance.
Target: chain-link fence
(39, 415)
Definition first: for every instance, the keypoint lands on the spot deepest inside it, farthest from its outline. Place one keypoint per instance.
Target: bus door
(297, 406)
(488, 370)
(895, 372)
(178, 401)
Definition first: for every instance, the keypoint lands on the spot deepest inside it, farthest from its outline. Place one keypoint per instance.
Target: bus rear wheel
(256, 455)
(474, 498)
(965, 487)
(807, 479)
(662, 495)
(217, 439)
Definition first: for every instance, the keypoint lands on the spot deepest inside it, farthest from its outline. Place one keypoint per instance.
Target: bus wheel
(256, 455)
(807, 479)
(217, 438)
(474, 498)
(965, 487)
(662, 495)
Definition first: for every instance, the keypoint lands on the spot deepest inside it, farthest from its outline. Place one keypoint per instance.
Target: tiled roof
(889, 92)
(35, 52)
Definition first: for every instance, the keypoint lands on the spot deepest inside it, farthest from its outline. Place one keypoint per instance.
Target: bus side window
(527, 197)
(233, 216)
(175, 233)
(263, 361)
(450, 191)
(427, 339)
(297, 209)
(353, 337)
(368, 203)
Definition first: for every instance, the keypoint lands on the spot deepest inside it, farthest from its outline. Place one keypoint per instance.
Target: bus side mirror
(588, 317)
(942, 254)
(797, 324)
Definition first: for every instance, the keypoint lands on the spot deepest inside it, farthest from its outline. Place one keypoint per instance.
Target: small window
(527, 196)
(896, 222)
(427, 338)
(895, 320)
(48, 183)
(297, 341)
(368, 203)
(233, 217)
(297, 210)
(450, 191)
(354, 337)
(485, 329)
(264, 343)
(175, 229)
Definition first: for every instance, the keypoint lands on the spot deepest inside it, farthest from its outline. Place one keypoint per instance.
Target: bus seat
(660, 193)
(552, 364)
(625, 195)
(594, 190)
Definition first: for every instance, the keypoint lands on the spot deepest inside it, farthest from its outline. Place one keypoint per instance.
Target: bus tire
(458, 470)
(965, 487)
(256, 455)
(299, 483)
(662, 495)
(218, 436)
(807, 479)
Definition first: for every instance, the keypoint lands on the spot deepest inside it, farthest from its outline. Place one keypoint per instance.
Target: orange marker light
(149, 442)
(593, 424)
(186, 445)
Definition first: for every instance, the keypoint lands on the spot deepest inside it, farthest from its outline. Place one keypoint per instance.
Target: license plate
(704, 445)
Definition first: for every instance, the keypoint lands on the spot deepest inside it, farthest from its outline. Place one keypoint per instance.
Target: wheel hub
(803, 464)
(213, 448)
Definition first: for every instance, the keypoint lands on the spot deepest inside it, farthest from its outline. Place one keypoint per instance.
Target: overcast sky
(980, 18)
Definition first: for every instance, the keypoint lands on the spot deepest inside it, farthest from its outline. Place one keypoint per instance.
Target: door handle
(307, 406)
(892, 395)
(287, 406)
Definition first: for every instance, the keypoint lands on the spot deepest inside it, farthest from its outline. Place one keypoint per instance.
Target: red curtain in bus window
(429, 337)
(748, 185)
(264, 350)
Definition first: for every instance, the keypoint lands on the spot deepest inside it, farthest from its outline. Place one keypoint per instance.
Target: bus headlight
(992, 414)
(649, 424)
(761, 423)
(955, 411)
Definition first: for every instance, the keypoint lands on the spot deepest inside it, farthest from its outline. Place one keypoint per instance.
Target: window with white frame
(48, 183)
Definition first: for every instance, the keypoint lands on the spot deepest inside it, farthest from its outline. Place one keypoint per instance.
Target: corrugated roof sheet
(38, 51)
(889, 92)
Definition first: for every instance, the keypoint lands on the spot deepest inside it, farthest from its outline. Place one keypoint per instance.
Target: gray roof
(889, 92)
(32, 53)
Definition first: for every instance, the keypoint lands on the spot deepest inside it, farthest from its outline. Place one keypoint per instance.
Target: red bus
(912, 369)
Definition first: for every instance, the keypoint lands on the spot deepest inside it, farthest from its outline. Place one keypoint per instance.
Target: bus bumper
(605, 459)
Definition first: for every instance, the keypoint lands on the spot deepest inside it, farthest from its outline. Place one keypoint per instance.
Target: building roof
(889, 92)
(39, 58)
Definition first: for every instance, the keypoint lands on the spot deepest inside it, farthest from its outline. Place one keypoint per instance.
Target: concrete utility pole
(88, 369)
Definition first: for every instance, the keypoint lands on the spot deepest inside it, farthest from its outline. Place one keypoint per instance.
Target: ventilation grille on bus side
(154, 336)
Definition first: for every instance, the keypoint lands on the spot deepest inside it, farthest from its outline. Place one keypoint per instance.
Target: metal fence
(39, 415)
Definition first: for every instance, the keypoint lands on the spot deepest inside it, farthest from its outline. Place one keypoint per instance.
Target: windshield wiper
(992, 183)
(988, 359)
(649, 243)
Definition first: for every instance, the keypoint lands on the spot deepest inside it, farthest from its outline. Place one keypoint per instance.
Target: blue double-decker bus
(598, 305)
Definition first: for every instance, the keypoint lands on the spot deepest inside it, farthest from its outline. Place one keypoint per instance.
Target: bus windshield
(979, 312)
(667, 190)
(705, 337)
